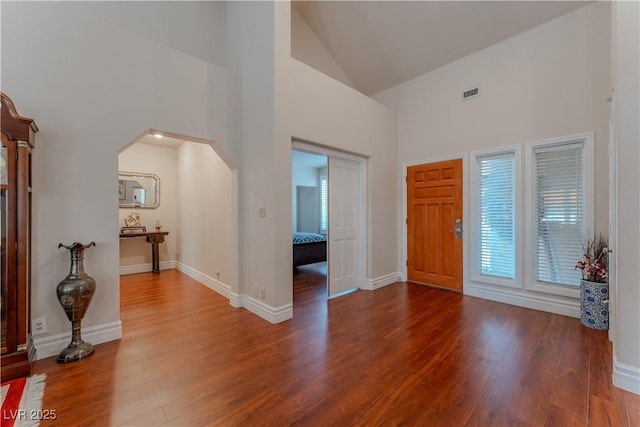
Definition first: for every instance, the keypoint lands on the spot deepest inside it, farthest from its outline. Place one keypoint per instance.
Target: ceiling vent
(471, 93)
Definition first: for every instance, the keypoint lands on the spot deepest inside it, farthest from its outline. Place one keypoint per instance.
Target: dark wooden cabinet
(18, 132)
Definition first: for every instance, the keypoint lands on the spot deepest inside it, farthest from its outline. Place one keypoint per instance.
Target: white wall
(626, 81)
(161, 161)
(196, 28)
(551, 81)
(250, 53)
(92, 89)
(306, 47)
(204, 206)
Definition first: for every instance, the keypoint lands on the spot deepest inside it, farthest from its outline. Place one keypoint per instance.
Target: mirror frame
(122, 174)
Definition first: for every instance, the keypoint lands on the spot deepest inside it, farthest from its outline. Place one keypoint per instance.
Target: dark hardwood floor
(400, 355)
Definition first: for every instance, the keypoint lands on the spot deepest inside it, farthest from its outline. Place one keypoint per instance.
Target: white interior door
(344, 239)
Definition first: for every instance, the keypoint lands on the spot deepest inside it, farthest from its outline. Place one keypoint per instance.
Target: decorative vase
(75, 293)
(594, 309)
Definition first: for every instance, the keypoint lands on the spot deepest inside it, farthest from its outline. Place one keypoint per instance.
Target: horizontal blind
(559, 204)
(496, 204)
(324, 211)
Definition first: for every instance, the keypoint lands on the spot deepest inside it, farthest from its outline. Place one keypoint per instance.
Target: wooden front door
(434, 224)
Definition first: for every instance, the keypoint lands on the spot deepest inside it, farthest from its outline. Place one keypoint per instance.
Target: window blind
(324, 211)
(559, 209)
(496, 204)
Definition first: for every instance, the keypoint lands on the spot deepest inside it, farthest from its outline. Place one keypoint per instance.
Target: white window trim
(587, 139)
(474, 222)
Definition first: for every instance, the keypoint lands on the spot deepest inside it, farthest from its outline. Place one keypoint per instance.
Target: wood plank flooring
(400, 355)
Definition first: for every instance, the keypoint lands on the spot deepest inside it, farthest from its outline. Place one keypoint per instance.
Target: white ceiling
(165, 141)
(381, 44)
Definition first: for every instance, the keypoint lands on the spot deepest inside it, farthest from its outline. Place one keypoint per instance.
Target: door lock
(458, 228)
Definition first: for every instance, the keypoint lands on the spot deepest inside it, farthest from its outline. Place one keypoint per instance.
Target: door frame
(613, 217)
(363, 227)
(402, 261)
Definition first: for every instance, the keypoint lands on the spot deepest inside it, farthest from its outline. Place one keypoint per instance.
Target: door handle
(458, 228)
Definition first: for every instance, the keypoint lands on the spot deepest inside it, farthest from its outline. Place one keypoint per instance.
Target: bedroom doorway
(342, 219)
(310, 218)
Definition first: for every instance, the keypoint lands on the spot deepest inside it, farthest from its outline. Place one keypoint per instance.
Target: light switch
(262, 211)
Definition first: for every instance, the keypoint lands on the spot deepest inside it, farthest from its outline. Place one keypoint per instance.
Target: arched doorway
(197, 206)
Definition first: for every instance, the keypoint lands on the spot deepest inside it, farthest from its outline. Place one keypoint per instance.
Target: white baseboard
(260, 308)
(211, 283)
(145, 268)
(381, 281)
(626, 377)
(514, 297)
(52, 345)
(236, 300)
(267, 312)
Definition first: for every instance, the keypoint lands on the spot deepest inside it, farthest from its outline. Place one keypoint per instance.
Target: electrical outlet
(39, 326)
(262, 294)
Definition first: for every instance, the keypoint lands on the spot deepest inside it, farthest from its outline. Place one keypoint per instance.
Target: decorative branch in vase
(595, 260)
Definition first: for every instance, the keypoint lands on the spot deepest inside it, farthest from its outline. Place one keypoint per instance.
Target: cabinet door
(8, 245)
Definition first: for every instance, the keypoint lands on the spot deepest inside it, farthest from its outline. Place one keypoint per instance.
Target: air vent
(472, 93)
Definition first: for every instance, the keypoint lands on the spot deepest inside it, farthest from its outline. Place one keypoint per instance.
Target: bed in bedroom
(309, 248)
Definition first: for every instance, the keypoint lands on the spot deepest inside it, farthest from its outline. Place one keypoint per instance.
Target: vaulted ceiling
(380, 44)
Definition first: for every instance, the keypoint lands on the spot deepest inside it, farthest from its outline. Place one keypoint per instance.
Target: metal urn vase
(75, 293)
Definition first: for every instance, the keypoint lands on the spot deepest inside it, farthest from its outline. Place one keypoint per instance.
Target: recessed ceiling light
(157, 135)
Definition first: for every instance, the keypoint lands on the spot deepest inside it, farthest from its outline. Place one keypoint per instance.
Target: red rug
(22, 401)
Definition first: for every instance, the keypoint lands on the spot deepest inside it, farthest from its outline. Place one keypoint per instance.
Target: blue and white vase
(594, 308)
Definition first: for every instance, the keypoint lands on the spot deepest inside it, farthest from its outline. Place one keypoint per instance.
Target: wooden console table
(155, 238)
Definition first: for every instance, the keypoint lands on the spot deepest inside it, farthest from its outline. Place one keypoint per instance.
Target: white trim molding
(381, 281)
(236, 300)
(473, 220)
(626, 377)
(587, 140)
(542, 302)
(267, 312)
(211, 283)
(146, 268)
(52, 345)
(260, 308)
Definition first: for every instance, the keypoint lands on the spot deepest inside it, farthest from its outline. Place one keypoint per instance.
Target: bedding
(309, 248)
(307, 238)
